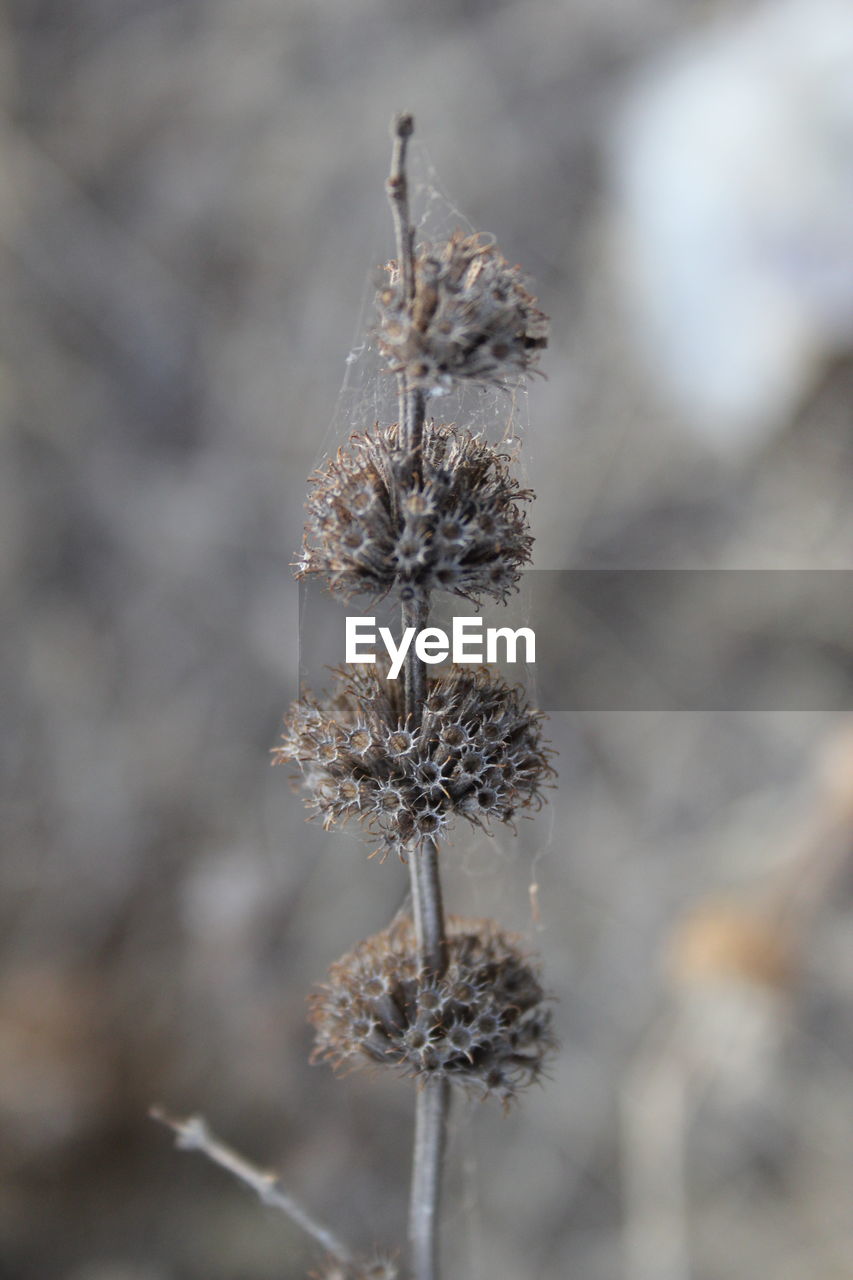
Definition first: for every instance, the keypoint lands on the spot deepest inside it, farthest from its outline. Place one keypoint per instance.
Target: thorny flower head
(450, 518)
(471, 318)
(477, 753)
(485, 1023)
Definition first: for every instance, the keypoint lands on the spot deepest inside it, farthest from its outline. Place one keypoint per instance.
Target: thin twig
(433, 1097)
(194, 1134)
(398, 193)
(412, 402)
(397, 188)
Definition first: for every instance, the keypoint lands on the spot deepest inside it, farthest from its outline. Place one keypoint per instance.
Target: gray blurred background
(191, 209)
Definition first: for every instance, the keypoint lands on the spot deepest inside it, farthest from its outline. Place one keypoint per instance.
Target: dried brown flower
(459, 525)
(485, 1023)
(471, 318)
(477, 752)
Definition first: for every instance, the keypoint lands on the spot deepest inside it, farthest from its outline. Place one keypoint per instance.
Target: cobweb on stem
(368, 392)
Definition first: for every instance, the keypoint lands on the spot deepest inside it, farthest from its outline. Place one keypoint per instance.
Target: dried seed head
(485, 1024)
(477, 752)
(471, 318)
(452, 518)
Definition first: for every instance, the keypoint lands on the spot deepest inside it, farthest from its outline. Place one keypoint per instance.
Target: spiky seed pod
(477, 753)
(471, 318)
(485, 1024)
(451, 519)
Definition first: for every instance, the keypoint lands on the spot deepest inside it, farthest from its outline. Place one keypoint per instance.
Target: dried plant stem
(427, 907)
(431, 1109)
(432, 1102)
(412, 417)
(398, 194)
(412, 401)
(194, 1134)
(415, 612)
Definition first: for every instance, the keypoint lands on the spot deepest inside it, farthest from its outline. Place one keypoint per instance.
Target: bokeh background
(191, 209)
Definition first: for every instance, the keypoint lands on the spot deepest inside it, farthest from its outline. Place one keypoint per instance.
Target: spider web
(368, 392)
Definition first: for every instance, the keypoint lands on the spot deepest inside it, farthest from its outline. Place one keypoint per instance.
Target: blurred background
(191, 211)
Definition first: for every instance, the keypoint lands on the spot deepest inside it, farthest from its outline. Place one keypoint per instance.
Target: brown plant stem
(433, 1097)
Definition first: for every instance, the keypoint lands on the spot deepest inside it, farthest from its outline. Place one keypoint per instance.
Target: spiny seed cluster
(451, 518)
(471, 318)
(477, 753)
(485, 1023)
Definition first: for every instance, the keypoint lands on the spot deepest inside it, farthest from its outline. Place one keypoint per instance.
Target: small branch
(193, 1134)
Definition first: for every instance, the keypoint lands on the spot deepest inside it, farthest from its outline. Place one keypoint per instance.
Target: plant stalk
(424, 1205)
(433, 1097)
